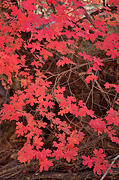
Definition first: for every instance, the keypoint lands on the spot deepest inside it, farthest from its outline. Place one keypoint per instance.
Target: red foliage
(98, 160)
(35, 88)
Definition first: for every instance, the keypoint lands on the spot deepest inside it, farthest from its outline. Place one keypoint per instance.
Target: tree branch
(117, 157)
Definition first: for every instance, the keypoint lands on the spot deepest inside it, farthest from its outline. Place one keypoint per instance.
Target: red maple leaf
(45, 163)
(91, 78)
(24, 156)
(98, 125)
(64, 61)
(99, 154)
(38, 142)
(45, 53)
(87, 161)
(85, 56)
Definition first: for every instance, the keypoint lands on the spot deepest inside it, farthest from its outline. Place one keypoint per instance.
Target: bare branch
(117, 157)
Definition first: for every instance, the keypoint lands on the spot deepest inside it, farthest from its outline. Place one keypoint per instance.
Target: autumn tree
(57, 53)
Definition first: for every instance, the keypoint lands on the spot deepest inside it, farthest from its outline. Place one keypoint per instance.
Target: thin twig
(117, 157)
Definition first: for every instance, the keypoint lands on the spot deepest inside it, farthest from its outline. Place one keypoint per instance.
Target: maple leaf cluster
(54, 38)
